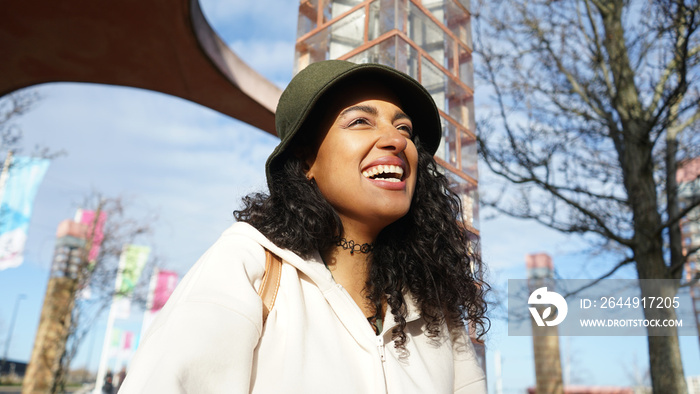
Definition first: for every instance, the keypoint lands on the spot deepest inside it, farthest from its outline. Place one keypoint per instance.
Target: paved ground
(18, 390)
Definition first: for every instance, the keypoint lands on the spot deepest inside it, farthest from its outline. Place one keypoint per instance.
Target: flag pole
(104, 356)
(148, 315)
(5, 174)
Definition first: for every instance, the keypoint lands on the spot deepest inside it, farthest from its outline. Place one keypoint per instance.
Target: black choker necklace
(345, 244)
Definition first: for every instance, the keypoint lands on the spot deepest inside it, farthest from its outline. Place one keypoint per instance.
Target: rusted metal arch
(161, 45)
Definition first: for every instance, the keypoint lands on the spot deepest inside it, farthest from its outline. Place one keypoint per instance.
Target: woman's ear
(307, 160)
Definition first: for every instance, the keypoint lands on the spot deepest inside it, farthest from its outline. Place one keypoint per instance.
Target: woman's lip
(389, 185)
(387, 161)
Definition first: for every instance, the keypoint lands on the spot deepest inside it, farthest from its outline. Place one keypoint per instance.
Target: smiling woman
(377, 283)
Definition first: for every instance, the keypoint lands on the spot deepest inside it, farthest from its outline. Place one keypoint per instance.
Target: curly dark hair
(424, 254)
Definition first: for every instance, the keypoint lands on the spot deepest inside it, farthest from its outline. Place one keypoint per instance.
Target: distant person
(121, 376)
(108, 386)
(377, 281)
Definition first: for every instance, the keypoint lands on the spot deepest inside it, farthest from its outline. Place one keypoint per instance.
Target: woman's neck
(349, 260)
(350, 267)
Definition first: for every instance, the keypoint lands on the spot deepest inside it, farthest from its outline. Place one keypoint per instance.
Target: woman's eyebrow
(373, 111)
(400, 115)
(364, 108)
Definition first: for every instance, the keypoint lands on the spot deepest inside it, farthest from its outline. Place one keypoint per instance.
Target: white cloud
(259, 16)
(262, 33)
(273, 59)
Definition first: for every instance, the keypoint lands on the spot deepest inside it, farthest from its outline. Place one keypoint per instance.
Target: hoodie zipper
(380, 348)
(379, 338)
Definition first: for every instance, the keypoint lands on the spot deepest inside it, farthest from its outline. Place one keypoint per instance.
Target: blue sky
(190, 166)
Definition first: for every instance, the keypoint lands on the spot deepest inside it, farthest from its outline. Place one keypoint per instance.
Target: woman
(376, 279)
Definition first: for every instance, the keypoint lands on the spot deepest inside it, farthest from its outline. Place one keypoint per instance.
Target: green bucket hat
(311, 84)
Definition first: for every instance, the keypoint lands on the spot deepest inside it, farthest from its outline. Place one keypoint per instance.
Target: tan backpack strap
(270, 282)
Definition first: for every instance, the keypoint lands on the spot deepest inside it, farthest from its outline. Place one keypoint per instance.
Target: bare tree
(98, 275)
(12, 107)
(595, 104)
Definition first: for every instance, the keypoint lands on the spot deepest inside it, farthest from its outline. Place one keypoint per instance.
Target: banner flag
(114, 342)
(88, 217)
(131, 263)
(121, 307)
(116, 338)
(18, 192)
(133, 259)
(128, 340)
(165, 285)
(162, 285)
(127, 347)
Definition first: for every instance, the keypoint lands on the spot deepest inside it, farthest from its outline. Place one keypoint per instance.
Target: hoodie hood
(312, 267)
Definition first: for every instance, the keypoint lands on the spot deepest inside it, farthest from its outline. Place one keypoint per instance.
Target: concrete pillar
(51, 335)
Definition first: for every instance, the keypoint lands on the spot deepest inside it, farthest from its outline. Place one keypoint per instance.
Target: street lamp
(20, 297)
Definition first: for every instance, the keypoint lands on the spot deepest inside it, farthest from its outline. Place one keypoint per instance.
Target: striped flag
(18, 186)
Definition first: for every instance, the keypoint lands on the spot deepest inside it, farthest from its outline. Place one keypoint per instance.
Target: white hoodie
(209, 337)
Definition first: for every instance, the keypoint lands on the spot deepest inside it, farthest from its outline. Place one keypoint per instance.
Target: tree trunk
(665, 360)
(664, 351)
(637, 164)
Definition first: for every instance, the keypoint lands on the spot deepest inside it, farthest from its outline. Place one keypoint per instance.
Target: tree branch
(619, 265)
(682, 126)
(681, 55)
(598, 55)
(694, 203)
(602, 227)
(577, 87)
(679, 264)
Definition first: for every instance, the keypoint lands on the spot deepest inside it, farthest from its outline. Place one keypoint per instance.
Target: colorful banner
(20, 187)
(162, 285)
(121, 307)
(128, 346)
(165, 285)
(128, 340)
(122, 343)
(88, 217)
(115, 342)
(132, 261)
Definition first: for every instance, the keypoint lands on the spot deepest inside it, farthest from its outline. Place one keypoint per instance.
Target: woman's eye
(405, 128)
(359, 121)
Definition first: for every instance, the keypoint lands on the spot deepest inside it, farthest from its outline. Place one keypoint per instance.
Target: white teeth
(384, 169)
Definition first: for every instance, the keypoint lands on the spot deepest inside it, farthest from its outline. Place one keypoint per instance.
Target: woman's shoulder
(223, 280)
(233, 267)
(239, 244)
(245, 236)
(233, 263)
(237, 258)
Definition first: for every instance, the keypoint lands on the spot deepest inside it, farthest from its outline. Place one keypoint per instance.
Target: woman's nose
(392, 139)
